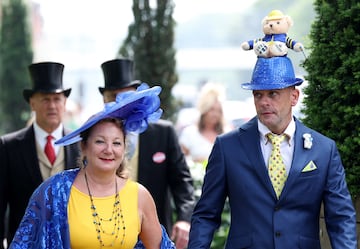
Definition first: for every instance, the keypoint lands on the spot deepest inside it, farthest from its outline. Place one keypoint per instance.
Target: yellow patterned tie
(276, 167)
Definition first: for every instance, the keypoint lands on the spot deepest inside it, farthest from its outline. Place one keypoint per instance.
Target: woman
(97, 206)
(197, 140)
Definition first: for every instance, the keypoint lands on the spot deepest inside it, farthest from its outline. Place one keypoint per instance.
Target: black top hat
(118, 74)
(46, 78)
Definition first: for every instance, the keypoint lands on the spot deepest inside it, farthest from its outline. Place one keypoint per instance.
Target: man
(279, 214)
(24, 162)
(157, 161)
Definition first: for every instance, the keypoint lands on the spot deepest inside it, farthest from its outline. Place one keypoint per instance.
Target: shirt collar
(289, 131)
(41, 133)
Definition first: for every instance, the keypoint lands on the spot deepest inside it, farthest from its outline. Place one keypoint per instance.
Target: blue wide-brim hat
(272, 73)
(135, 108)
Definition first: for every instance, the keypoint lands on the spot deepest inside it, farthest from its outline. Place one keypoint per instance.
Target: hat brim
(272, 86)
(135, 83)
(126, 104)
(27, 93)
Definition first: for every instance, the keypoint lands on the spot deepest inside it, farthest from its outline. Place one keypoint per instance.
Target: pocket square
(309, 167)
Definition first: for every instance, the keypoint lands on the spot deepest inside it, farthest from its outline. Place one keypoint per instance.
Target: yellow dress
(80, 217)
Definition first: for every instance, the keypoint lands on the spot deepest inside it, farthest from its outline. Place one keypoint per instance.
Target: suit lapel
(27, 150)
(145, 140)
(300, 157)
(71, 154)
(249, 131)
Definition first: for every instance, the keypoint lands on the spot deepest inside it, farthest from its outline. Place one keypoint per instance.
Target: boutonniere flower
(307, 140)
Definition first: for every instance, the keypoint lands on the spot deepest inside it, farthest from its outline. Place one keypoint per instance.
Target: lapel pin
(307, 141)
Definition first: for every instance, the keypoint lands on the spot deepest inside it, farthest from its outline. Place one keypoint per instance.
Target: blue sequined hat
(272, 73)
(135, 108)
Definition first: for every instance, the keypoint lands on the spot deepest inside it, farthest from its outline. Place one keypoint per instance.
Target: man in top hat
(27, 156)
(276, 173)
(155, 158)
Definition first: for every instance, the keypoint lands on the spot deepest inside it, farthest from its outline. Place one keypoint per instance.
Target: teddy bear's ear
(263, 21)
(289, 20)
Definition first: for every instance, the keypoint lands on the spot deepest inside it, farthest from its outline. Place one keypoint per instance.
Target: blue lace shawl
(45, 225)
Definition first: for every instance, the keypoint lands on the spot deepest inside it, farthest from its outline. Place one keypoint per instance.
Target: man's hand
(180, 234)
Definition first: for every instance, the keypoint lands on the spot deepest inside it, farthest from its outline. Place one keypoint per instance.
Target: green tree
(333, 91)
(15, 55)
(150, 43)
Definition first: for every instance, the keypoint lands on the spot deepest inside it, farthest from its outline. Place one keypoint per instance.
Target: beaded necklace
(116, 217)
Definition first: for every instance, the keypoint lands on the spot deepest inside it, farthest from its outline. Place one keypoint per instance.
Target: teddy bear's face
(278, 26)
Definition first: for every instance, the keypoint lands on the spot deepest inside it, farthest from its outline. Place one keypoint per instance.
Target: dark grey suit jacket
(163, 171)
(20, 175)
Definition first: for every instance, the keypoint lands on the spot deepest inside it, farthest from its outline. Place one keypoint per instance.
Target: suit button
(277, 208)
(277, 234)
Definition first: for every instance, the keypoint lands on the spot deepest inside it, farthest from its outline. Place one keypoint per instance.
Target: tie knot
(49, 138)
(276, 140)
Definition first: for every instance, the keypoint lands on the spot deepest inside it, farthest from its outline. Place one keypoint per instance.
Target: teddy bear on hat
(276, 42)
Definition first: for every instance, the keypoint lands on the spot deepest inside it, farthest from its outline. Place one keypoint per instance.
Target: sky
(103, 25)
(82, 34)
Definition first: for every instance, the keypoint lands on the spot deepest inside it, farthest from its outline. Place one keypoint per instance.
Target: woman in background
(197, 140)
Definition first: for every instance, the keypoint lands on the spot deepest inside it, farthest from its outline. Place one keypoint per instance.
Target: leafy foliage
(150, 44)
(15, 56)
(198, 172)
(332, 95)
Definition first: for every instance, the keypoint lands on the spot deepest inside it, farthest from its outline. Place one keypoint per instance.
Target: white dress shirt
(286, 147)
(41, 135)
